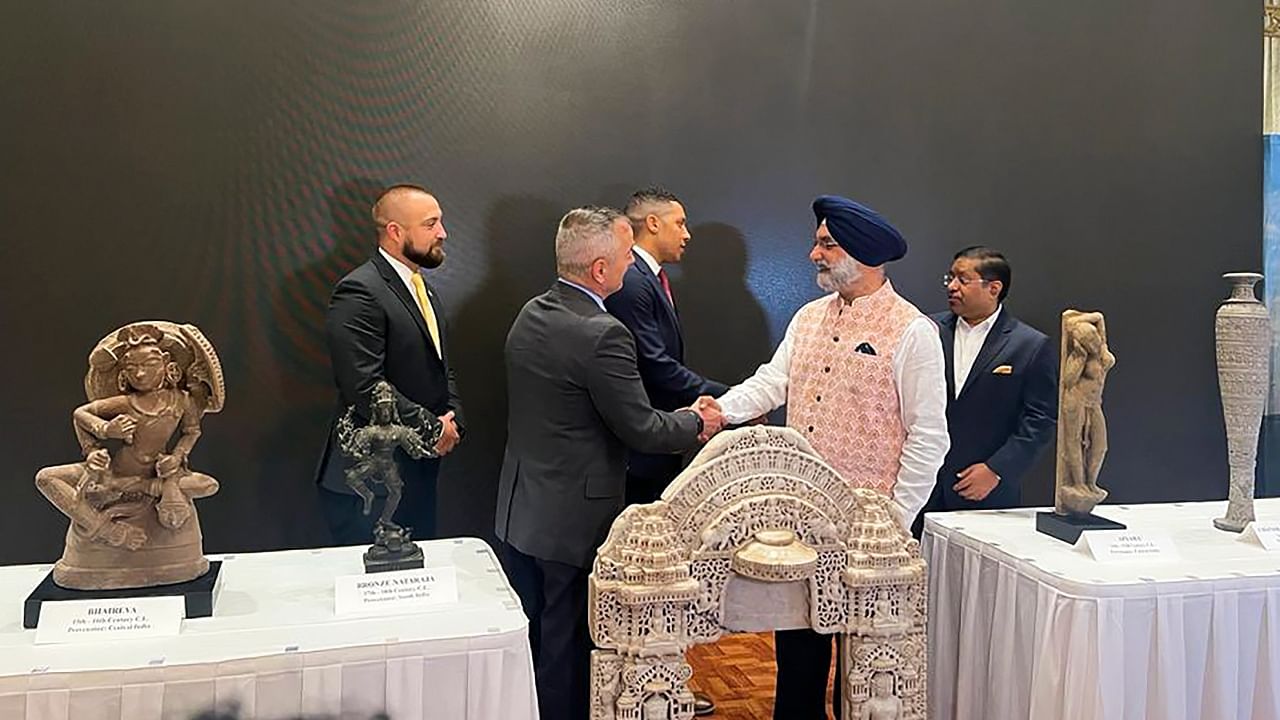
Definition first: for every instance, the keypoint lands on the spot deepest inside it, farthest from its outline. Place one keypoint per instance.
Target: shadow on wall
(519, 239)
(290, 451)
(726, 334)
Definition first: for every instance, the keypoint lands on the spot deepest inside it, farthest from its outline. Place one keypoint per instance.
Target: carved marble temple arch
(757, 534)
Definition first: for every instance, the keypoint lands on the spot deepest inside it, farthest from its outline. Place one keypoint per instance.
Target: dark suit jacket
(376, 332)
(1002, 420)
(642, 306)
(575, 404)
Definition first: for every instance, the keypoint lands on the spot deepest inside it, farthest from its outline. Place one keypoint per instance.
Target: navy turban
(869, 238)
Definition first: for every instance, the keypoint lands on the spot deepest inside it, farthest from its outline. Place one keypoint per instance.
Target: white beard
(841, 275)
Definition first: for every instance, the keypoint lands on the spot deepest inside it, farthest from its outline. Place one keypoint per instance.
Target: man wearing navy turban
(859, 231)
(861, 373)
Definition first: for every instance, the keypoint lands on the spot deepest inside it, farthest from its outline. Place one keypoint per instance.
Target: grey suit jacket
(575, 404)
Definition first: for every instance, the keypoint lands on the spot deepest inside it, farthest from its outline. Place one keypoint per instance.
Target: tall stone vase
(1243, 333)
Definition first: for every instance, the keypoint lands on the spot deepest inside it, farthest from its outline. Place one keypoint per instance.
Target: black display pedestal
(198, 595)
(1067, 528)
(378, 559)
(393, 549)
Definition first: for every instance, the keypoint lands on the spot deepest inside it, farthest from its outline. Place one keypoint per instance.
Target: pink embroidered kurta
(846, 402)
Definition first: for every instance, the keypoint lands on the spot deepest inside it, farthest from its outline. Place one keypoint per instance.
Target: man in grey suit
(575, 405)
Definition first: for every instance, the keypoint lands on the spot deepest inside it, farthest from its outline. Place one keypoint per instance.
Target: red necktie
(666, 285)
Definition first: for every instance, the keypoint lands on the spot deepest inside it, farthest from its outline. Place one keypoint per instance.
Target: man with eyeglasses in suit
(1002, 388)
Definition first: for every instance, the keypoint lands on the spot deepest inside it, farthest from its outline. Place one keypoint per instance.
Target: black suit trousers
(554, 596)
(804, 664)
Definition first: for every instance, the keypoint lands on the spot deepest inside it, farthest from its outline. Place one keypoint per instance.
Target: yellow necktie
(428, 314)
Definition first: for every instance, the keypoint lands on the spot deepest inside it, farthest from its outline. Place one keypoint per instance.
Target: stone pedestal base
(1231, 524)
(169, 555)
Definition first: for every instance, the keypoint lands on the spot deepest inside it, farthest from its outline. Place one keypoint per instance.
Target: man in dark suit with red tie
(647, 307)
(1002, 388)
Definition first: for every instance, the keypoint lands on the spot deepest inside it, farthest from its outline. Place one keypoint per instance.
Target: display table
(1024, 626)
(274, 649)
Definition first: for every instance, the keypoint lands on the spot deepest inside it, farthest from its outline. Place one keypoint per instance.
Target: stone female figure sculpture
(1082, 429)
(133, 523)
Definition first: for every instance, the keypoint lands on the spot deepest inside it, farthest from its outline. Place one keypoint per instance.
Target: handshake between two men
(713, 421)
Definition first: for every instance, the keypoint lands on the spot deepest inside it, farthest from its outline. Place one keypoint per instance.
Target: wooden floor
(737, 673)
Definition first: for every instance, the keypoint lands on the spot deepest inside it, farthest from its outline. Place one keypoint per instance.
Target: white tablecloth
(274, 649)
(1024, 626)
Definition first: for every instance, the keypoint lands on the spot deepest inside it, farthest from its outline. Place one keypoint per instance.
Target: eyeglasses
(947, 278)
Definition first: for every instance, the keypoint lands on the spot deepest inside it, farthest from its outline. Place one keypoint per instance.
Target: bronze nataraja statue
(373, 448)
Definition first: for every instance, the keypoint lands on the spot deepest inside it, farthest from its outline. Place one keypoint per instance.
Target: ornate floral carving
(760, 504)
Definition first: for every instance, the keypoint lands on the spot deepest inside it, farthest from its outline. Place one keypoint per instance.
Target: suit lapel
(991, 348)
(656, 285)
(399, 290)
(948, 333)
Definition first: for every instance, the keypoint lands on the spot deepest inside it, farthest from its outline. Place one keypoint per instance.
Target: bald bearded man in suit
(385, 322)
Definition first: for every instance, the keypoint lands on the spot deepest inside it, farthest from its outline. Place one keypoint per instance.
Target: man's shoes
(702, 705)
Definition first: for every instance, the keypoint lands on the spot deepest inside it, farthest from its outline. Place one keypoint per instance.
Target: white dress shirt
(920, 376)
(598, 300)
(406, 275)
(969, 341)
(654, 265)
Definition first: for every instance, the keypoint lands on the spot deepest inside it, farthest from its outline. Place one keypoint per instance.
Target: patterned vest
(846, 402)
